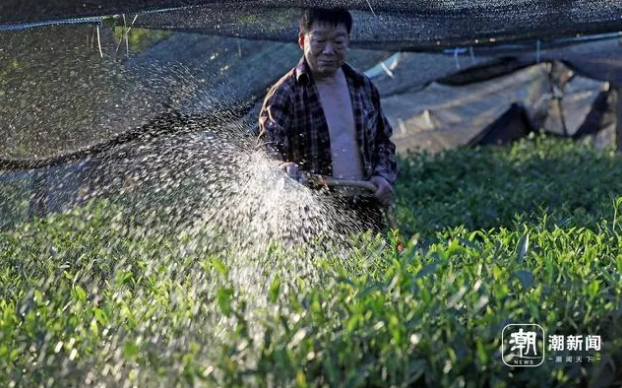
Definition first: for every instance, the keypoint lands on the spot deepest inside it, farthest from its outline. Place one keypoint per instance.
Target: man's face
(325, 47)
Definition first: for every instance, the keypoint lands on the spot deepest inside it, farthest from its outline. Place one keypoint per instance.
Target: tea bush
(529, 234)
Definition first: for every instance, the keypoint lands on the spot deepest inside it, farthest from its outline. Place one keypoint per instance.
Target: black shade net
(83, 100)
(86, 105)
(404, 25)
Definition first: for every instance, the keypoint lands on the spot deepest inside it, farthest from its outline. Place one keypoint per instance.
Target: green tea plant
(528, 234)
(492, 186)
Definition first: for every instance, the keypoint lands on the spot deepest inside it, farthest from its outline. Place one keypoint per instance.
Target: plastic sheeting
(503, 109)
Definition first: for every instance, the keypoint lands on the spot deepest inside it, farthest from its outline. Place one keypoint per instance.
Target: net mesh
(415, 24)
(73, 90)
(91, 93)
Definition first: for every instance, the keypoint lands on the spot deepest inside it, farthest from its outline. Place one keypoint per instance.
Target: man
(324, 117)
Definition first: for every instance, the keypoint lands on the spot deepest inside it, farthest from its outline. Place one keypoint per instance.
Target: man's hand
(291, 169)
(384, 191)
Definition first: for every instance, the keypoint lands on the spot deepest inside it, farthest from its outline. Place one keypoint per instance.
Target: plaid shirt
(293, 126)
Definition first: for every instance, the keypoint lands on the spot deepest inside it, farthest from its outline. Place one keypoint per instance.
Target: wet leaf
(523, 248)
(273, 293)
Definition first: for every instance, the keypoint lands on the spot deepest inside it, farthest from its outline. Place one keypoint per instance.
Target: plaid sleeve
(275, 120)
(384, 155)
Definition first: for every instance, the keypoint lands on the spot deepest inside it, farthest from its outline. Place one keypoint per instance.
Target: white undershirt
(337, 105)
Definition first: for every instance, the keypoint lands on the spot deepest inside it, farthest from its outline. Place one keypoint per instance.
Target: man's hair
(334, 16)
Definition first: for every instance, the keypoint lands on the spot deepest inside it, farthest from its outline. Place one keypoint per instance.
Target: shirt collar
(303, 73)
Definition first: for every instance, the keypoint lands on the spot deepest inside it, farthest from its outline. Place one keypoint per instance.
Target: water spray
(318, 182)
